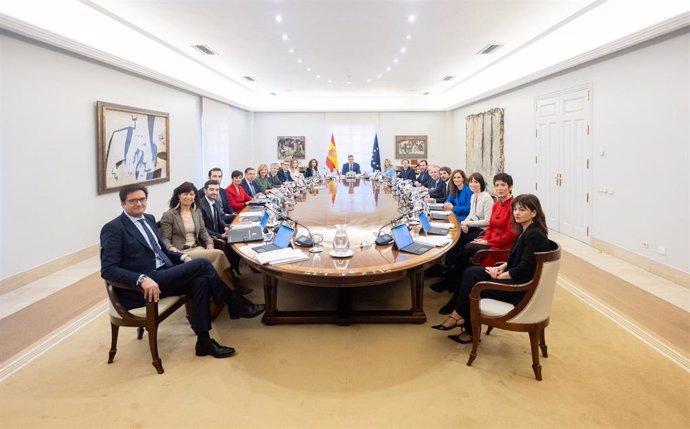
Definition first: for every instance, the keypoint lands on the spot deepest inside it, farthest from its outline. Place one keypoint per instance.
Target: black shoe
(211, 347)
(248, 311)
(447, 309)
(441, 286)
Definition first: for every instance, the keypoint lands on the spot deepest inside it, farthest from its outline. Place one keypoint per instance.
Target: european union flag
(375, 155)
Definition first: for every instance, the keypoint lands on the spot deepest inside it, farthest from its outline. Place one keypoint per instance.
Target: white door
(563, 156)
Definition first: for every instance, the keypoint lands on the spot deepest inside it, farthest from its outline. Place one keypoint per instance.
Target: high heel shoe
(459, 323)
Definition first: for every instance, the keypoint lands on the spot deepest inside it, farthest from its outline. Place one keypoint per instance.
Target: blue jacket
(346, 168)
(461, 202)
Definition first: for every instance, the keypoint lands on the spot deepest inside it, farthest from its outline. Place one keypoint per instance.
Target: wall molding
(664, 271)
(31, 275)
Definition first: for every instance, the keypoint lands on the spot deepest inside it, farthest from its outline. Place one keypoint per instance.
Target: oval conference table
(364, 206)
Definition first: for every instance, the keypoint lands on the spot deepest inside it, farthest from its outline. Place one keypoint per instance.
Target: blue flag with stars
(375, 155)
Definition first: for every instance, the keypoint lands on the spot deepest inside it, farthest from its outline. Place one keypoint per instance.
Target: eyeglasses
(136, 201)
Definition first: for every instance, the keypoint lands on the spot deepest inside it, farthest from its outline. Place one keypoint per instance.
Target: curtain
(484, 143)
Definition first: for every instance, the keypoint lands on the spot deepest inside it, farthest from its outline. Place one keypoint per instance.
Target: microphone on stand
(386, 239)
(302, 240)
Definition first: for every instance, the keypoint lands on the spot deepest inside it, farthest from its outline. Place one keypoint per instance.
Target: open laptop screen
(283, 237)
(425, 221)
(264, 220)
(402, 236)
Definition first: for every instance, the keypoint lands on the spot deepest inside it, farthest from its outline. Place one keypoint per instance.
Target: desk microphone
(386, 239)
(302, 240)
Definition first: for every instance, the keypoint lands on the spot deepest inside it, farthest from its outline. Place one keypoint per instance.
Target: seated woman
(530, 224)
(498, 236)
(294, 169)
(458, 195)
(237, 196)
(312, 168)
(388, 168)
(481, 204)
(183, 230)
(262, 180)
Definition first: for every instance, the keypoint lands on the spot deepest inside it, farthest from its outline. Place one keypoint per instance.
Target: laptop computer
(403, 239)
(246, 234)
(426, 226)
(281, 240)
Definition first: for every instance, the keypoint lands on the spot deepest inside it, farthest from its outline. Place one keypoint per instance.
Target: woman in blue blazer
(459, 195)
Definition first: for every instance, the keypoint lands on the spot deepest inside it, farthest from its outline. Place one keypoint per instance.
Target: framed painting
(291, 147)
(411, 147)
(133, 146)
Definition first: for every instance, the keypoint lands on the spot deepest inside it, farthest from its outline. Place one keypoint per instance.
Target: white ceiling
(346, 45)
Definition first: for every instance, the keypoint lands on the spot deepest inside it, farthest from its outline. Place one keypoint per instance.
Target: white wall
(317, 128)
(641, 114)
(50, 206)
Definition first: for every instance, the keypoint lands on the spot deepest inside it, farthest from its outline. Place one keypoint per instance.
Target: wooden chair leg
(489, 329)
(534, 343)
(542, 344)
(114, 329)
(153, 344)
(140, 333)
(476, 333)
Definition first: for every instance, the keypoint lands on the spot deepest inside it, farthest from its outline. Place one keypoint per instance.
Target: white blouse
(480, 210)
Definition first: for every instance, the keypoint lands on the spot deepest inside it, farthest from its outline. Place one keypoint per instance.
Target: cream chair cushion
(163, 304)
(492, 307)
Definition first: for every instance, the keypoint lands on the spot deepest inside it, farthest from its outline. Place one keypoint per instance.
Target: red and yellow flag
(332, 157)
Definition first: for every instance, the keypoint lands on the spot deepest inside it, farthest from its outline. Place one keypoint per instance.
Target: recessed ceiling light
(411, 18)
(447, 78)
(285, 37)
(330, 81)
(368, 80)
(292, 51)
(318, 76)
(427, 93)
(204, 49)
(273, 94)
(403, 50)
(308, 68)
(299, 60)
(379, 76)
(408, 37)
(395, 60)
(279, 18)
(249, 78)
(388, 69)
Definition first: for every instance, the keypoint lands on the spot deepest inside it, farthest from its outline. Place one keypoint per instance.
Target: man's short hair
(236, 173)
(214, 169)
(248, 169)
(210, 182)
(128, 189)
(446, 169)
(424, 161)
(275, 164)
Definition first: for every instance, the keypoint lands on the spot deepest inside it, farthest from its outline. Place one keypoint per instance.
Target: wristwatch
(140, 280)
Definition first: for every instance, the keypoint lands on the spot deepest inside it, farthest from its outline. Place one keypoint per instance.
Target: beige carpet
(597, 375)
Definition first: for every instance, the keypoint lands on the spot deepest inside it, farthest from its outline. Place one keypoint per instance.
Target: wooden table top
(364, 206)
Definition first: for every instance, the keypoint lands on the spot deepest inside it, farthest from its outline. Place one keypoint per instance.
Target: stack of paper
(444, 225)
(433, 240)
(275, 257)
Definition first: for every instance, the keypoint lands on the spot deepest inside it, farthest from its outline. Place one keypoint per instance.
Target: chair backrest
(538, 308)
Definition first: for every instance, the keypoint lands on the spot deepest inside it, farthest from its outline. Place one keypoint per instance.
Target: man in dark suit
(436, 186)
(284, 172)
(273, 176)
(424, 175)
(248, 182)
(407, 172)
(351, 166)
(217, 174)
(132, 254)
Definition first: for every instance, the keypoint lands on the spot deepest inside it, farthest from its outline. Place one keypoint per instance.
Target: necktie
(251, 188)
(155, 246)
(214, 214)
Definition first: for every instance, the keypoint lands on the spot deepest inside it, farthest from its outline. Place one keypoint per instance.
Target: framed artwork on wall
(411, 147)
(292, 147)
(133, 146)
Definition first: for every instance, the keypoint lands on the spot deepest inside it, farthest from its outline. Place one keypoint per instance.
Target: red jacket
(237, 197)
(499, 234)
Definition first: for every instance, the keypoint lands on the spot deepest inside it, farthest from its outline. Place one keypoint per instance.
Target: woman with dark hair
(312, 168)
(458, 195)
(481, 204)
(529, 223)
(237, 196)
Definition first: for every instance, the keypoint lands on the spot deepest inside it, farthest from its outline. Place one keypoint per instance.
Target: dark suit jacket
(224, 203)
(424, 179)
(407, 174)
(125, 255)
(284, 176)
(346, 168)
(309, 172)
(245, 185)
(275, 181)
(215, 228)
(437, 190)
(522, 263)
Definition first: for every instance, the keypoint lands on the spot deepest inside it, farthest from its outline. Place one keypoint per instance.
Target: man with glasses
(132, 254)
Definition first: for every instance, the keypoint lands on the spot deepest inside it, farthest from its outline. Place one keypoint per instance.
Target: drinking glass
(317, 238)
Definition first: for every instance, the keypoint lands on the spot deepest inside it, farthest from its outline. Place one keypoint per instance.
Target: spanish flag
(332, 157)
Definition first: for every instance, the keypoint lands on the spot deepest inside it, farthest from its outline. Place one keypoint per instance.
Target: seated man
(217, 174)
(424, 174)
(284, 172)
(132, 254)
(250, 187)
(351, 166)
(213, 216)
(273, 176)
(437, 187)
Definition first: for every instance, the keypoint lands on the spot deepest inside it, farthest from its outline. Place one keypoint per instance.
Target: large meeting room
(261, 213)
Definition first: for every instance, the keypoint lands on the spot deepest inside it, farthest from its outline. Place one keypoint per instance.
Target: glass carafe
(341, 243)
